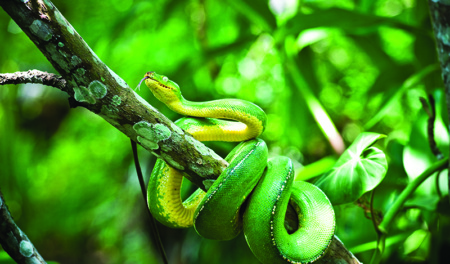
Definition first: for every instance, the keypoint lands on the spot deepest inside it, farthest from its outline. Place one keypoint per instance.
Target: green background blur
(313, 66)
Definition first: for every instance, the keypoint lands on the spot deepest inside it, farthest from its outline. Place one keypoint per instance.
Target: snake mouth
(155, 80)
(150, 76)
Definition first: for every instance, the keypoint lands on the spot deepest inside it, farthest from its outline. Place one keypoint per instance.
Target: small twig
(14, 241)
(380, 235)
(431, 111)
(153, 226)
(33, 76)
(367, 207)
(374, 214)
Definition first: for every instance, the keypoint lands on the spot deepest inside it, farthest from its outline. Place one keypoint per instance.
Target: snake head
(163, 89)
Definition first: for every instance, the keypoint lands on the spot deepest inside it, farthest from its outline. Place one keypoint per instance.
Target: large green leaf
(360, 169)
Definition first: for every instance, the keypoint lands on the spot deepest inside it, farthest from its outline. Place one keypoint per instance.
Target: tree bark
(93, 85)
(14, 241)
(440, 19)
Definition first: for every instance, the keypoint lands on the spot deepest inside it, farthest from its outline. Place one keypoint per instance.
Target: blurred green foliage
(324, 71)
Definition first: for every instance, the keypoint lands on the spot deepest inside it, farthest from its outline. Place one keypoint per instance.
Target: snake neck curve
(251, 118)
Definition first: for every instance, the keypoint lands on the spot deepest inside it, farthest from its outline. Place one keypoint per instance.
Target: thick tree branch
(93, 85)
(14, 241)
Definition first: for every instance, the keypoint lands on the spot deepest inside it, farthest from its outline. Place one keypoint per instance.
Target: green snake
(268, 185)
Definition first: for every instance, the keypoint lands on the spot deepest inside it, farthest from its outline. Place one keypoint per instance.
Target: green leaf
(359, 170)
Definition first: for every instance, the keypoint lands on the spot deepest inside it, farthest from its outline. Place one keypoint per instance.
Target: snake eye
(165, 79)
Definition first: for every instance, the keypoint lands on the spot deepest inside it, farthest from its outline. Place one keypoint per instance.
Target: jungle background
(324, 71)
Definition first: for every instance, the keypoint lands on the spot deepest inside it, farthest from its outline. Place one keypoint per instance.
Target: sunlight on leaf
(359, 170)
(415, 240)
(311, 36)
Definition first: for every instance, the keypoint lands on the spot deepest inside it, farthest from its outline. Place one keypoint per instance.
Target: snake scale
(267, 184)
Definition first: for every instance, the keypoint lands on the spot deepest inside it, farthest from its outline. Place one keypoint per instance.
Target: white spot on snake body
(26, 248)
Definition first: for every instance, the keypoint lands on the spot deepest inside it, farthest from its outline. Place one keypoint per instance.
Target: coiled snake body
(268, 184)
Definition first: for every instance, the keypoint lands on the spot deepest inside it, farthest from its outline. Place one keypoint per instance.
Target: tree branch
(93, 85)
(33, 76)
(440, 18)
(13, 240)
